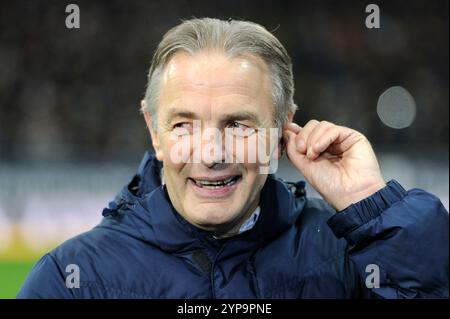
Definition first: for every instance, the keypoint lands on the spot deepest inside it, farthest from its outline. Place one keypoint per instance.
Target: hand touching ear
(337, 161)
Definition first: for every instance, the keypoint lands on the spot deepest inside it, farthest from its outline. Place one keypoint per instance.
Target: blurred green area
(12, 276)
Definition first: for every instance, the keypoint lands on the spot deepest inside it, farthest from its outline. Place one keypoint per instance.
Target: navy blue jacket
(299, 248)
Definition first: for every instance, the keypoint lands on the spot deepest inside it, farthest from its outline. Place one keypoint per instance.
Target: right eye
(182, 128)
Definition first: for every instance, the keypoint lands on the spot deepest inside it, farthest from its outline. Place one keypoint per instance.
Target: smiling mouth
(217, 183)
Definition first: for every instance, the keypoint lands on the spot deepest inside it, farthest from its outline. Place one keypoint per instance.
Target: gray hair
(234, 38)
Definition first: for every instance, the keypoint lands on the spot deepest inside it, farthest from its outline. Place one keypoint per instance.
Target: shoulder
(101, 258)
(103, 247)
(46, 280)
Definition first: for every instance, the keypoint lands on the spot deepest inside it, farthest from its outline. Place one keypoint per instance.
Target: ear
(291, 114)
(153, 133)
(278, 153)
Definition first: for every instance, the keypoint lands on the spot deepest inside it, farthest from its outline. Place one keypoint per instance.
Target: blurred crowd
(73, 94)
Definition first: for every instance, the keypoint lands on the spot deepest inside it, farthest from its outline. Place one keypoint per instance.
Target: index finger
(293, 127)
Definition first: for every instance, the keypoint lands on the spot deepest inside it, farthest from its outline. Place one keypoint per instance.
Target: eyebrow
(174, 114)
(236, 116)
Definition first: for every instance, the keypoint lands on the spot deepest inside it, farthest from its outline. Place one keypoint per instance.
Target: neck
(233, 228)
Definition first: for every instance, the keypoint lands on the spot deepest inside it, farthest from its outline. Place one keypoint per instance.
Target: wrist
(359, 196)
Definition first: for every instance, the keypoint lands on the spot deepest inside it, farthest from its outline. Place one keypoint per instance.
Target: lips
(215, 187)
(216, 183)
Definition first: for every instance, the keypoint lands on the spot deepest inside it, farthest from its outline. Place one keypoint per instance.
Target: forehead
(214, 74)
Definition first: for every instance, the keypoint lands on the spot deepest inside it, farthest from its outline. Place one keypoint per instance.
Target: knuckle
(298, 137)
(310, 124)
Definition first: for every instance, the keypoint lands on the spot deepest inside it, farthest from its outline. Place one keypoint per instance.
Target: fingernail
(300, 144)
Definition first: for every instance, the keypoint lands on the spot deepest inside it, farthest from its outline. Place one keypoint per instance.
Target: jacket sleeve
(46, 280)
(398, 241)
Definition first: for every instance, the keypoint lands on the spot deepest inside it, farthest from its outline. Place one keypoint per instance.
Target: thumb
(289, 140)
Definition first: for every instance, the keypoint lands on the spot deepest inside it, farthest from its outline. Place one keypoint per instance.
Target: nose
(219, 166)
(212, 148)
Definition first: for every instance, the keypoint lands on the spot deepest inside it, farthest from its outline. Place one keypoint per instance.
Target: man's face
(218, 93)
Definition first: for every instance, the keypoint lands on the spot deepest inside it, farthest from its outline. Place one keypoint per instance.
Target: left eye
(240, 129)
(238, 125)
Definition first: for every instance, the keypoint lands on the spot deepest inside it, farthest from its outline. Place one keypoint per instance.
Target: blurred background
(71, 133)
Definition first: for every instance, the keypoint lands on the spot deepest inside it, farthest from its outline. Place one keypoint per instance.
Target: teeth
(216, 184)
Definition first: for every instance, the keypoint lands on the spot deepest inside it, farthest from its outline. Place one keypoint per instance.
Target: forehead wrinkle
(199, 69)
(214, 92)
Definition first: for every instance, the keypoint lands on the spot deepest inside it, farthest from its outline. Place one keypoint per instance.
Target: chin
(210, 218)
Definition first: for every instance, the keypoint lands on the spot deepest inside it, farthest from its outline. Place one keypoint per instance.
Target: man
(214, 224)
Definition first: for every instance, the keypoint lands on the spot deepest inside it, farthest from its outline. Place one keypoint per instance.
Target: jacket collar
(158, 223)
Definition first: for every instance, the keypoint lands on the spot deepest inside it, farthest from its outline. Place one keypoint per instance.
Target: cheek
(177, 150)
(253, 183)
(253, 151)
(242, 150)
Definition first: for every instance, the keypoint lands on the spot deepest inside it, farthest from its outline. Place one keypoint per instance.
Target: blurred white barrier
(42, 206)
